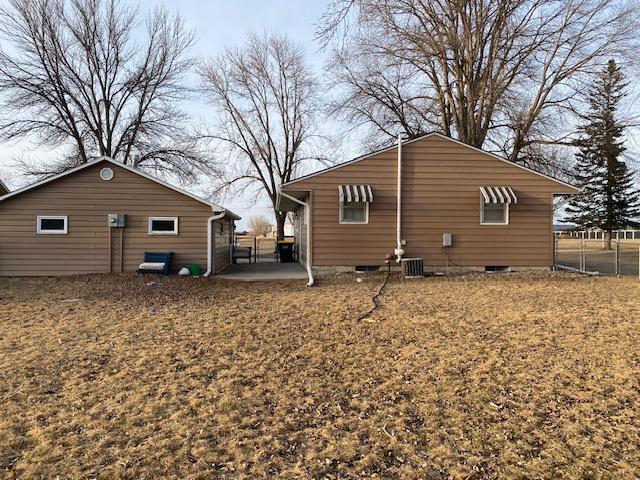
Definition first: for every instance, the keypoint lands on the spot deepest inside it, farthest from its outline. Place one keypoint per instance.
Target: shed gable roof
(422, 137)
(71, 171)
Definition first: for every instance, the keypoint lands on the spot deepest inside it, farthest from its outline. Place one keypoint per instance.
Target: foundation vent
(367, 268)
(497, 268)
(413, 267)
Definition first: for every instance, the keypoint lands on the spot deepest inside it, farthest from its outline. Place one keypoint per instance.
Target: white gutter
(399, 251)
(307, 212)
(210, 265)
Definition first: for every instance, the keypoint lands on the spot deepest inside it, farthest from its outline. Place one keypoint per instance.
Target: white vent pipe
(307, 212)
(399, 251)
(210, 264)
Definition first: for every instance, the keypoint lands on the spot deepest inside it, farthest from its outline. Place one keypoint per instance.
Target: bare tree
(73, 75)
(266, 97)
(497, 73)
(379, 92)
(259, 225)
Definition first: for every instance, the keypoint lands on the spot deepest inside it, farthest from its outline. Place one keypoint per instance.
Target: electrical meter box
(116, 220)
(447, 240)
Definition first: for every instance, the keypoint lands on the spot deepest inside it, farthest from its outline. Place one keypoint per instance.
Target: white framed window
(354, 212)
(51, 224)
(163, 225)
(493, 213)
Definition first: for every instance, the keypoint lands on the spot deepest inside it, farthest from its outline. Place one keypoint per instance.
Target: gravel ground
(470, 377)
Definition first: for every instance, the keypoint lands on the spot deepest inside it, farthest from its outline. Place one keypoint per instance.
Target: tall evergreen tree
(608, 200)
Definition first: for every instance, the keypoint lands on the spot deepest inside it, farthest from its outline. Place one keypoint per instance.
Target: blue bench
(156, 262)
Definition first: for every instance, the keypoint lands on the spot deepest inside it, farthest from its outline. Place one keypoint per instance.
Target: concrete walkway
(246, 272)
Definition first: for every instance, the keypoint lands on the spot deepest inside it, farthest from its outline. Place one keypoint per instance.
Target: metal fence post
(615, 260)
(582, 254)
(618, 256)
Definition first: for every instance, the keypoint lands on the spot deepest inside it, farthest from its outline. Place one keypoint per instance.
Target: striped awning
(355, 193)
(498, 195)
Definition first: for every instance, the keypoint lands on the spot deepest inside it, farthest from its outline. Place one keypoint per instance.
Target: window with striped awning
(354, 203)
(498, 195)
(355, 193)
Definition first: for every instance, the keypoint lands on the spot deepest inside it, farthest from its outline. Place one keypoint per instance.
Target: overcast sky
(218, 23)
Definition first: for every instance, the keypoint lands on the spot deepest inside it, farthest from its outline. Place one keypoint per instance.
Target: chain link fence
(263, 249)
(586, 252)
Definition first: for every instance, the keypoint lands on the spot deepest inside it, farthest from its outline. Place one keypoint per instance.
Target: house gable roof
(422, 137)
(71, 171)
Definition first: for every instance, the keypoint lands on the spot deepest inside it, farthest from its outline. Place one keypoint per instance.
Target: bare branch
(507, 72)
(75, 77)
(266, 100)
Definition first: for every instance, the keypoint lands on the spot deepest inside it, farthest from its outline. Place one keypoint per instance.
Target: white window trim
(506, 214)
(173, 232)
(355, 222)
(41, 231)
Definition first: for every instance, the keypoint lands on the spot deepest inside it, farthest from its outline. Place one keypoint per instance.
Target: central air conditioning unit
(413, 267)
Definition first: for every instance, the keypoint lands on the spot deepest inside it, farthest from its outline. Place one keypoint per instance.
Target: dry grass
(515, 376)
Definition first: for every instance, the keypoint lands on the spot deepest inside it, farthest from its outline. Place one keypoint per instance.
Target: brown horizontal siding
(416, 181)
(443, 223)
(86, 200)
(441, 194)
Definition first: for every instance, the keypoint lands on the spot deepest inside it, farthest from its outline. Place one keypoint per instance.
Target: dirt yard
(472, 377)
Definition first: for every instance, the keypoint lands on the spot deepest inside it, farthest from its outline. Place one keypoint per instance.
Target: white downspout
(232, 228)
(210, 265)
(307, 213)
(399, 251)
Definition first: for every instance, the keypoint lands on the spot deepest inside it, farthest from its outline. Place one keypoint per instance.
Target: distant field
(469, 377)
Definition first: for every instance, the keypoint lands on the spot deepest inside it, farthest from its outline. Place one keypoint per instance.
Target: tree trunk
(606, 239)
(281, 217)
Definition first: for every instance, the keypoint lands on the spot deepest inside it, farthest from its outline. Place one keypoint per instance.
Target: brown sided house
(498, 214)
(62, 225)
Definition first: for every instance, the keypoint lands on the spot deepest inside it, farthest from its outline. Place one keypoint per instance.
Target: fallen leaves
(520, 375)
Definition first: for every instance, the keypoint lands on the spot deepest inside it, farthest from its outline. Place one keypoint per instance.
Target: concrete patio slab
(251, 272)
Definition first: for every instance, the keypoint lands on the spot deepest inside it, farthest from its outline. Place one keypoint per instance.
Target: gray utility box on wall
(116, 220)
(447, 240)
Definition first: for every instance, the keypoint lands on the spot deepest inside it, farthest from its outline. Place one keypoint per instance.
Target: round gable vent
(106, 173)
